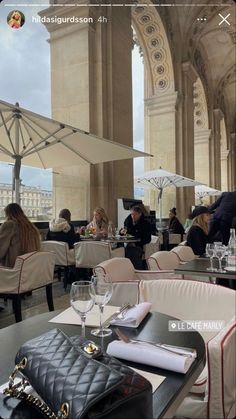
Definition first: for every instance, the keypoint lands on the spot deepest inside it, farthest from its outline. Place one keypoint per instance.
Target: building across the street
(35, 201)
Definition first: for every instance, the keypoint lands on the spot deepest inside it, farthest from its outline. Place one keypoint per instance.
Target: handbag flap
(60, 373)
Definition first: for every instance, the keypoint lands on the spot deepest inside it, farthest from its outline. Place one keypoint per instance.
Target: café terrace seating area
(41, 282)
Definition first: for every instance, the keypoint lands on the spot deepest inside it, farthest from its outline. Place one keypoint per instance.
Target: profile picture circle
(16, 19)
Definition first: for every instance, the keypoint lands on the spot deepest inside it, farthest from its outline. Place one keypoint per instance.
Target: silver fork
(122, 314)
(175, 350)
(115, 315)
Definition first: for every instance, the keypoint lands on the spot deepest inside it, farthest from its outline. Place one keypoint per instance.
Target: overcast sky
(25, 78)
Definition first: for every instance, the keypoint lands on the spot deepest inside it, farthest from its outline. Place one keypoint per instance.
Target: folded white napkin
(147, 354)
(134, 315)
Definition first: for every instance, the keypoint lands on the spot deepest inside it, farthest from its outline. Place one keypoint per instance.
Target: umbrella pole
(17, 159)
(160, 208)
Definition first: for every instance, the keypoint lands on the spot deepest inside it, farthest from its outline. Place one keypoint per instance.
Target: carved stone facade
(189, 89)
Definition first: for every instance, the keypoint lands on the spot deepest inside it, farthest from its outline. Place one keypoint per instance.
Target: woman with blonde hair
(198, 234)
(99, 222)
(17, 235)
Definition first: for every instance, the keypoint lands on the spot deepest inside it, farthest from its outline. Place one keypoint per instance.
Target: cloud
(25, 78)
(25, 69)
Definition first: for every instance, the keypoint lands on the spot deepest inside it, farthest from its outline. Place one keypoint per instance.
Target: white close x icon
(224, 19)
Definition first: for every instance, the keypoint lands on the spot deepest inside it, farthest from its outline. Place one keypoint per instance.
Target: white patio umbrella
(42, 142)
(202, 190)
(161, 179)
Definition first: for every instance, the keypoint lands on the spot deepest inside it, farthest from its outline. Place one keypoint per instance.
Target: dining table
(201, 267)
(112, 240)
(166, 398)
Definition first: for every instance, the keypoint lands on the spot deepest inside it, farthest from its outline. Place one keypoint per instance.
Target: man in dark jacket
(141, 229)
(225, 207)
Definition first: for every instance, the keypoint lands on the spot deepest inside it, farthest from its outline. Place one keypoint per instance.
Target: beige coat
(10, 246)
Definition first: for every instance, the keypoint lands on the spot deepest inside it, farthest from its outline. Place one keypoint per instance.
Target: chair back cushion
(162, 260)
(152, 247)
(34, 270)
(190, 300)
(184, 253)
(64, 256)
(88, 254)
(119, 269)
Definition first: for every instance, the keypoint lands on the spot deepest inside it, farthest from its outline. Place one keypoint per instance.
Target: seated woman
(61, 229)
(99, 223)
(198, 237)
(17, 235)
(175, 225)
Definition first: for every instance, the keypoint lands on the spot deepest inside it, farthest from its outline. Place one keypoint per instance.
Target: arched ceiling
(209, 45)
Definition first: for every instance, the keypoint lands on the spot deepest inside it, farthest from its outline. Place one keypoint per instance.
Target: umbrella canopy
(203, 190)
(161, 179)
(42, 142)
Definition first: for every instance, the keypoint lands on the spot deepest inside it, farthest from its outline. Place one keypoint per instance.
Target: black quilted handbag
(73, 385)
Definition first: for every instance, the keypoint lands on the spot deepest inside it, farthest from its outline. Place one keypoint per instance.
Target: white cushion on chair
(122, 274)
(88, 254)
(184, 253)
(64, 255)
(119, 269)
(152, 247)
(163, 260)
(31, 271)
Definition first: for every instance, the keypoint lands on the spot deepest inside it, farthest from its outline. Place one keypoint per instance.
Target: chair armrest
(9, 283)
(140, 275)
(221, 372)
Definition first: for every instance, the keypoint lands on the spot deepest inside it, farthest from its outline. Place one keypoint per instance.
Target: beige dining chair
(213, 394)
(152, 247)
(184, 253)
(65, 257)
(163, 261)
(31, 271)
(88, 254)
(125, 279)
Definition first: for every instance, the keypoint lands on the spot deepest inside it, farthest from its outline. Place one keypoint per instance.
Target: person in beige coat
(17, 235)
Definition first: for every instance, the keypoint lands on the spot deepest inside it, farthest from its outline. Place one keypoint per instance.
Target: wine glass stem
(83, 318)
(220, 264)
(211, 260)
(101, 308)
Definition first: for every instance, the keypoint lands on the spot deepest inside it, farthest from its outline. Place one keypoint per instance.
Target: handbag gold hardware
(17, 391)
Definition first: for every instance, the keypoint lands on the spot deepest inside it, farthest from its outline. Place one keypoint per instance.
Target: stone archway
(159, 97)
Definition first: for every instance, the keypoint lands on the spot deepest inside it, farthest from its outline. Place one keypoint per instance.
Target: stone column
(159, 120)
(215, 151)
(224, 156)
(91, 89)
(185, 137)
(201, 155)
(232, 161)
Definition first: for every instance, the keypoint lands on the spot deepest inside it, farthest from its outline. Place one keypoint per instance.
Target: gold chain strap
(17, 391)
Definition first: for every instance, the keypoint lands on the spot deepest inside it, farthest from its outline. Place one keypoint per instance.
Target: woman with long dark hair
(17, 235)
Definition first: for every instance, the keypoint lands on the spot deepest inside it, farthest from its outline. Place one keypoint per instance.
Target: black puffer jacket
(60, 230)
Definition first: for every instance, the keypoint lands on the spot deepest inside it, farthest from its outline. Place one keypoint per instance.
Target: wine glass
(210, 252)
(103, 291)
(82, 299)
(220, 252)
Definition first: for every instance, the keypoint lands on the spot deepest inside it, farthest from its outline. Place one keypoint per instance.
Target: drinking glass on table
(103, 291)
(220, 252)
(82, 299)
(210, 252)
